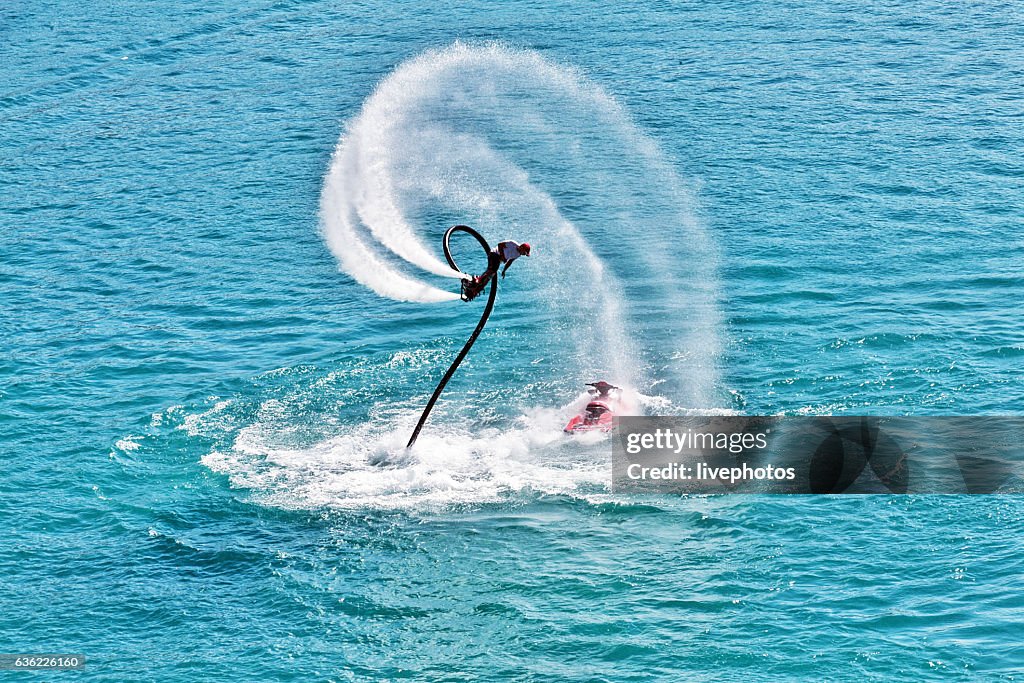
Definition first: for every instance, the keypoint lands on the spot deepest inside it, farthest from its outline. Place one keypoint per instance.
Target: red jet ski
(599, 412)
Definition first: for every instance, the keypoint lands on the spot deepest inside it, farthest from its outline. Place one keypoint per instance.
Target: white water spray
(523, 148)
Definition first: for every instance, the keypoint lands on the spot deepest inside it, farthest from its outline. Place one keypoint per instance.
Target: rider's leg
(471, 288)
(493, 263)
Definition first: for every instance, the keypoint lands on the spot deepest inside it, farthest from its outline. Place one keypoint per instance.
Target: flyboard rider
(503, 253)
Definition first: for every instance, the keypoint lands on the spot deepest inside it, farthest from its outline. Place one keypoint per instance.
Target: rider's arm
(505, 268)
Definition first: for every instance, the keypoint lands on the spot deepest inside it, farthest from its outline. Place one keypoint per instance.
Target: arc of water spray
(472, 338)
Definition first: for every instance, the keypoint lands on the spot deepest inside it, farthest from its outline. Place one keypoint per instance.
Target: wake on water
(518, 147)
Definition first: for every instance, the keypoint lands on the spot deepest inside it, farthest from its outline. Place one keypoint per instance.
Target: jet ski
(599, 411)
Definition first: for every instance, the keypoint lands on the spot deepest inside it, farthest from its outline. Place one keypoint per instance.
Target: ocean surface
(223, 303)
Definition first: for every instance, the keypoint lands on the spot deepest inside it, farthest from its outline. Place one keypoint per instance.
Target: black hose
(472, 337)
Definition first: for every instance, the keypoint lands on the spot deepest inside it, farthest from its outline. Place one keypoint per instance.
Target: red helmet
(524, 248)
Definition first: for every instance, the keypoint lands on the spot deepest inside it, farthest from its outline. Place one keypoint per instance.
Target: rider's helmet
(524, 248)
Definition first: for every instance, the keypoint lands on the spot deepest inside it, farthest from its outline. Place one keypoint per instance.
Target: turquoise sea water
(785, 207)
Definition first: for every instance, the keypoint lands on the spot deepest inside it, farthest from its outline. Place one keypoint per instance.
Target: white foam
(451, 465)
(369, 467)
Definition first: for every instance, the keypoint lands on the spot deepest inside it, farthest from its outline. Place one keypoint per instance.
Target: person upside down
(503, 253)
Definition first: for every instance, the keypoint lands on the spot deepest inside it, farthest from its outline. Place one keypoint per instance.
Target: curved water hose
(472, 337)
